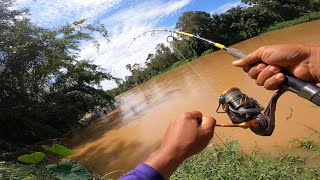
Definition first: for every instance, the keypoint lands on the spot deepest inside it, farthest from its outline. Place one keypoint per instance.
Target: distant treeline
(236, 25)
(44, 88)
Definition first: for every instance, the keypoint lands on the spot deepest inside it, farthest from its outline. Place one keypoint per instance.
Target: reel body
(239, 106)
(247, 112)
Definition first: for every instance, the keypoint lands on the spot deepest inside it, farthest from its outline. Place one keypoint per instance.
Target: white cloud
(226, 7)
(128, 21)
(50, 13)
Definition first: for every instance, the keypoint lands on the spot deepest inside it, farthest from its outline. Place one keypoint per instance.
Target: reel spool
(246, 112)
(239, 106)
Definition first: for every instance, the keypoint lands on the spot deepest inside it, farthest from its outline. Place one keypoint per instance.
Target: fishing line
(203, 80)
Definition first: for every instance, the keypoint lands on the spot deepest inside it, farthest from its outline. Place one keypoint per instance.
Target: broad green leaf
(59, 149)
(32, 158)
(69, 170)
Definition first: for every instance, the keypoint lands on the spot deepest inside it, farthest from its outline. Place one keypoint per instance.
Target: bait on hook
(245, 112)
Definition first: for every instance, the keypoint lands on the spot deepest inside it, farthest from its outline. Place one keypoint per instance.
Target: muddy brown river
(131, 132)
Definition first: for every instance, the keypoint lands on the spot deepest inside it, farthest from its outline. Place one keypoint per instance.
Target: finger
(196, 114)
(208, 123)
(247, 68)
(252, 58)
(255, 70)
(266, 74)
(274, 82)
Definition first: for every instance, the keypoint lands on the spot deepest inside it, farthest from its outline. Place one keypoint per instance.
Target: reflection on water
(131, 132)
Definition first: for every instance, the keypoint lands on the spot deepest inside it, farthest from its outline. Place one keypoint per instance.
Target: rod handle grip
(306, 90)
(236, 52)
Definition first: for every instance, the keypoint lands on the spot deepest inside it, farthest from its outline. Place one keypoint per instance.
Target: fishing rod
(244, 111)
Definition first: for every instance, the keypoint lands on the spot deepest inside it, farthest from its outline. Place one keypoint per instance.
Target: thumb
(252, 58)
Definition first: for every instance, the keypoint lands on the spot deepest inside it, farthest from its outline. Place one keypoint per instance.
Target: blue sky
(124, 20)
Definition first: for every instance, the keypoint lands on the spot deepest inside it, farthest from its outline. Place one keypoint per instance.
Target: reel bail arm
(246, 112)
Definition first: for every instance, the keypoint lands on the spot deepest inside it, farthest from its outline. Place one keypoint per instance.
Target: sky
(124, 20)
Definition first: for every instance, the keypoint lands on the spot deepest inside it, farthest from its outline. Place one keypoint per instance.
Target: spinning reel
(246, 112)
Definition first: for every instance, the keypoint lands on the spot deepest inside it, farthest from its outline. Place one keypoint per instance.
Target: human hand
(264, 65)
(183, 138)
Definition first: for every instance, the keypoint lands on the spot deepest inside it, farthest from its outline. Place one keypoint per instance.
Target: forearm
(164, 162)
(159, 165)
(183, 138)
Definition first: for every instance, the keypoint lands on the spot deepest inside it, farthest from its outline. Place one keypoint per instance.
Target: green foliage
(305, 18)
(155, 64)
(225, 163)
(306, 143)
(32, 158)
(65, 169)
(69, 170)
(59, 149)
(36, 157)
(45, 86)
(207, 52)
(16, 171)
(233, 145)
(198, 23)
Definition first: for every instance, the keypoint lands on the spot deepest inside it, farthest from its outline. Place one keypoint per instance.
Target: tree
(45, 87)
(197, 23)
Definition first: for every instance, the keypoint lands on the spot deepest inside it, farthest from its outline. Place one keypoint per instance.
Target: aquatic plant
(69, 170)
(65, 170)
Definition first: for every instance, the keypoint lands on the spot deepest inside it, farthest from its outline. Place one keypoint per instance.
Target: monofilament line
(204, 81)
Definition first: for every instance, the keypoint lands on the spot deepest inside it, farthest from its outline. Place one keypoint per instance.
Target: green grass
(308, 17)
(228, 163)
(207, 52)
(176, 64)
(17, 171)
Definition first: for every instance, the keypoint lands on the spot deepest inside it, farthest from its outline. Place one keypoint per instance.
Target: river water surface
(131, 132)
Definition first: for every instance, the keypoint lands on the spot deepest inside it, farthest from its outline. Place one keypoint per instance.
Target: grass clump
(229, 163)
(16, 171)
(176, 64)
(207, 52)
(306, 143)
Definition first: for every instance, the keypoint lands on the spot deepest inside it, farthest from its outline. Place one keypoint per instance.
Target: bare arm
(184, 138)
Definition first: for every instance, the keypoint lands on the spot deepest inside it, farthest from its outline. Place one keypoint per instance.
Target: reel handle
(303, 89)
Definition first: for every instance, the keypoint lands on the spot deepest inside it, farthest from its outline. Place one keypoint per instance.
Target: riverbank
(230, 163)
(217, 162)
